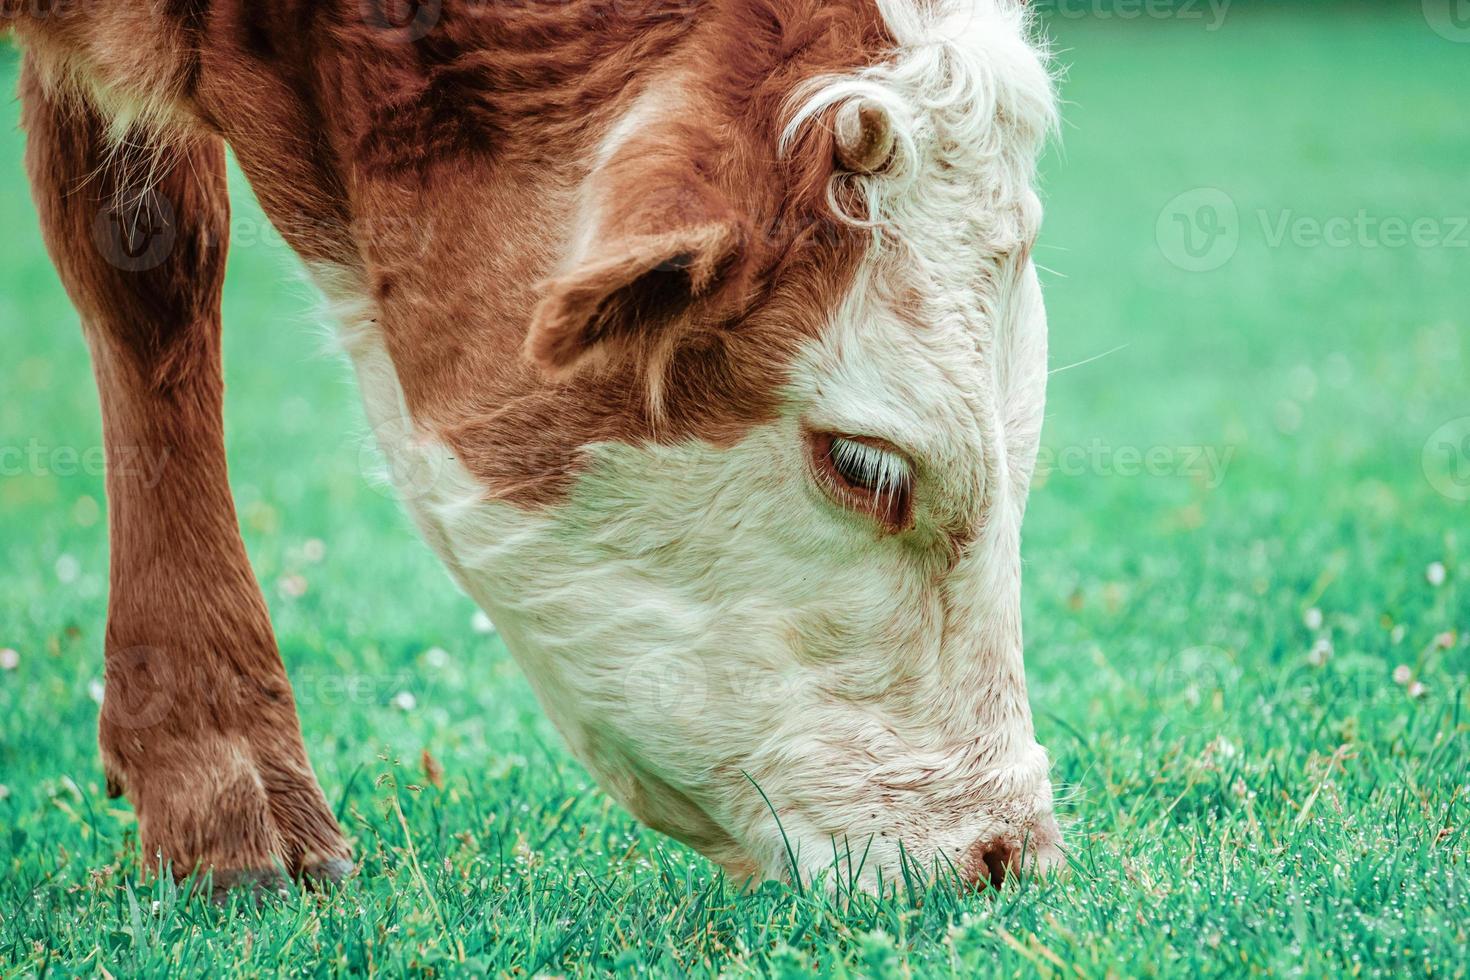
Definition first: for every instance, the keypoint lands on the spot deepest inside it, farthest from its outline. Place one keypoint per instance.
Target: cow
(703, 338)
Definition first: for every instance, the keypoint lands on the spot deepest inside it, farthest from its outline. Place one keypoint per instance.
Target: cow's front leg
(198, 724)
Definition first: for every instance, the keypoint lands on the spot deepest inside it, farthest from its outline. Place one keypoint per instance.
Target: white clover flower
(1222, 747)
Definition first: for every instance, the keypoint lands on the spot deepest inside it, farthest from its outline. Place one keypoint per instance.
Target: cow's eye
(865, 475)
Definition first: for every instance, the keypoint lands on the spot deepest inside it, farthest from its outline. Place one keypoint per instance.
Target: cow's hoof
(256, 884)
(331, 871)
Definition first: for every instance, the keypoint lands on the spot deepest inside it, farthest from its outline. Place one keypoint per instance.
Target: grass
(1238, 803)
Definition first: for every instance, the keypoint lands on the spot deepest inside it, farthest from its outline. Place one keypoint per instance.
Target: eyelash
(866, 477)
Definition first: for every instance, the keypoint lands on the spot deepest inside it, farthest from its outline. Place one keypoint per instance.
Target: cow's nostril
(995, 861)
(987, 862)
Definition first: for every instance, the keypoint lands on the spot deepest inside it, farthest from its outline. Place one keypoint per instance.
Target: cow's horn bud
(864, 136)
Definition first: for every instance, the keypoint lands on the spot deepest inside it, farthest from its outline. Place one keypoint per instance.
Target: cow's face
(747, 510)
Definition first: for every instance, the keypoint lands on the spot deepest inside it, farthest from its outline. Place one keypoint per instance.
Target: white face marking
(695, 619)
(692, 615)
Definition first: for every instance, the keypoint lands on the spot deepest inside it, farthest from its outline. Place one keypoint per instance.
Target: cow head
(717, 380)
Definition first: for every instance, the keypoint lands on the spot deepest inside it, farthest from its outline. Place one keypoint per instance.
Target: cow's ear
(653, 251)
